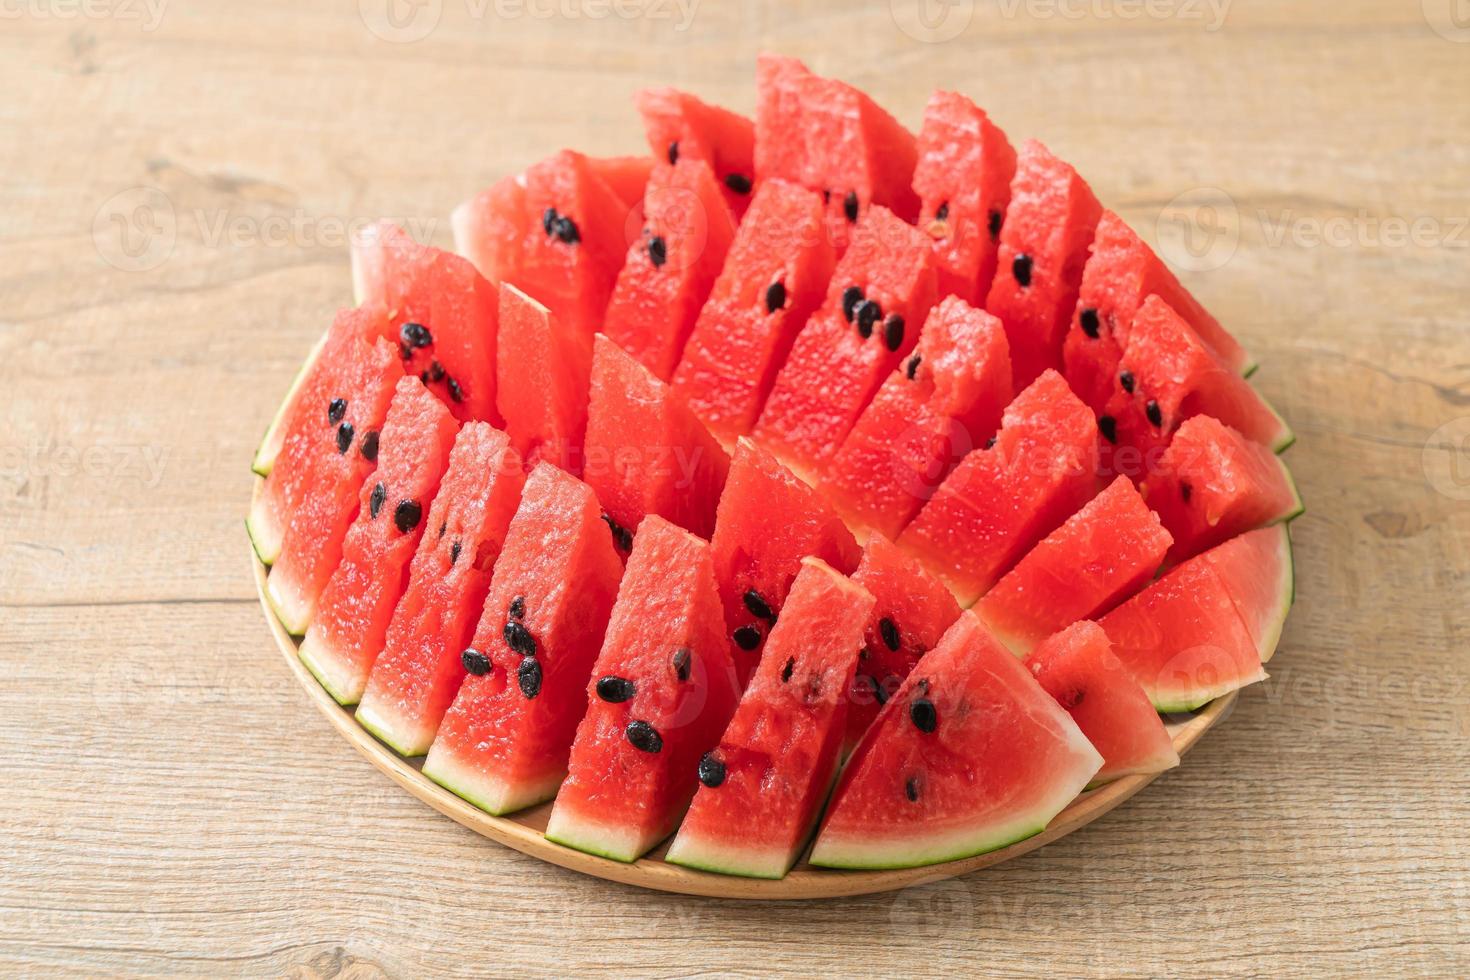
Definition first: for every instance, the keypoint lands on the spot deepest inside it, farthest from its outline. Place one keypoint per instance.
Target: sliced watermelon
(829, 137)
(662, 691)
(351, 623)
(1182, 638)
(687, 228)
(646, 453)
(969, 756)
(768, 521)
(682, 127)
(1078, 668)
(763, 785)
(1000, 501)
(774, 278)
(556, 231)
(944, 401)
(1257, 570)
(1043, 248)
(545, 372)
(1103, 554)
(912, 611)
(963, 179)
(1212, 483)
(442, 314)
(882, 290)
(419, 670)
(504, 743)
(275, 434)
(626, 177)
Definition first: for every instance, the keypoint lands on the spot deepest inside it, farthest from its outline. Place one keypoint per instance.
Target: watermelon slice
(774, 278)
(679, 126)
(963, 179)
(1077, 667)
(1212, 484)
(662, 691)
(646, 452)
(351, 623)
(416, 675)
(1120, 274)
(829, 137)
(762, 786)
(1103, 554)
(912, 611)
(969, 756)
(626, 177)
(768, 520)
(275, 434)
(1257, 570)
(944, 401)
(504, 743)
(1000, 501)
(882, 290)
(545, 372)
(556, 231)
(1043, 248)
(669, 270)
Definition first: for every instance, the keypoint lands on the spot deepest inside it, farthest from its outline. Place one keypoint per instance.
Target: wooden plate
(523, 830)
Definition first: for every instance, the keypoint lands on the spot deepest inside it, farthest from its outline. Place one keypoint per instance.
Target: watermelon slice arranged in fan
(680, 126)
(545, 376)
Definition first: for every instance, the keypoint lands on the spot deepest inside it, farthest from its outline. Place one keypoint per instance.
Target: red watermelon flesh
(646, 453)
(1043, 248)
(326, 457)
(1003, 499)
(680, 126)
(1256, 568)
(762, 786)
(545, 374)
(969, 756)
(829, 137)
(878, 297)
(352, 617)
(505, 741)
(1078, 668)
(1182, 639)
(662, 691)
(669, 270)
(768, 521)
(945, 400)
(442, 315)
(1212, 484)
(1103, 554)
(774, 277)
(911, 613)
(626, 177)
(556, 231)
(419, 670)
(963, 179)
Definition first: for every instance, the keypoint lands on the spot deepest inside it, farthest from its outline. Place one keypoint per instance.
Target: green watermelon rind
(492, 796)
(294, 621)
(593, 837)
(270, 444)
(322, 663)
(377, 724)
(1286, 599)
(266, 535)
(687, 852)
(828, 859)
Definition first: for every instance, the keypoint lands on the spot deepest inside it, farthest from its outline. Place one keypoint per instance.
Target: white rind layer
(339, 679)
(495, 796)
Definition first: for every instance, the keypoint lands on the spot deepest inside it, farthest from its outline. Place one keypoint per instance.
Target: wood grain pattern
(174, 806)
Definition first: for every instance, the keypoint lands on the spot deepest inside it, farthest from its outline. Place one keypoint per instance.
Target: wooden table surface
(176, 182)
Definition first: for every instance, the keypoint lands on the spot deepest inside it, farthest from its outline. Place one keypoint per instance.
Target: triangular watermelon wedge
(680, 126)
(545, 372)
(1257, 570)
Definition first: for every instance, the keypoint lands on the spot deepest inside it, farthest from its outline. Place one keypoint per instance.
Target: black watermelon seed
(711, 770)
(757, 604)
(1021, 269)
(864, 654)
(913, 367)
(850, 206)
(923, 686)
(519, 639)
(1108, 426)
(996, 220)
(336, 408)
(1071, 699)
(826, 195)
(787, 670)
(455, 392)
(375, 502)
(942, 212)
(658, 251)
(888, 629)
(517, 608)
(529, 676)
(893, 332)
(644, 737)
(851, 297)
(880, 692)
(415, 335)
(566, 230)
(443, 526)
(868, 313)
(424, 377)
(454, 552)
(1088, 320)
(775, 296)
(475, 662)
(369, 446)
(673, 152)
(1155, 414)
(1125, 378)
(622, 537)
(344, 437)
(911, 789)
(613, 689)
(739, 183)
(436, 371)
(923, 715)
(407, 514)
(990, 443)
(1185, 490)
(683, 662)
(747, 637)
(548, 220)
